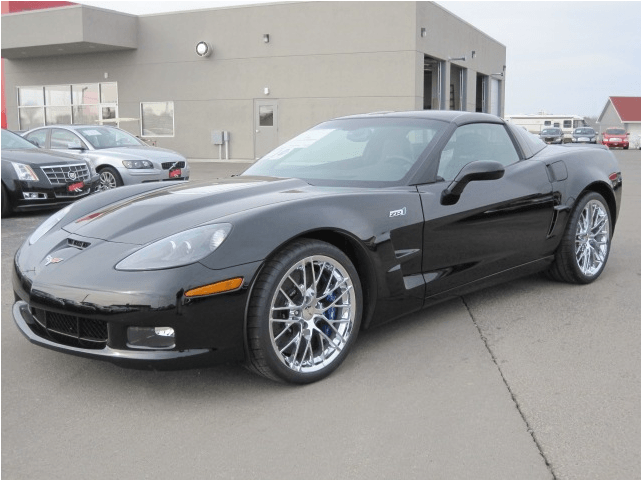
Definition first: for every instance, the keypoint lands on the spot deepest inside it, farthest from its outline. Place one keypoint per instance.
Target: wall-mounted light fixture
(457, 59)
(266, 91)
(266, 37)
(423, 32)
(473, 53)
(203, 49)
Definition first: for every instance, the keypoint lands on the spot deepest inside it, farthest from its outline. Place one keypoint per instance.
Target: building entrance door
(265, 126)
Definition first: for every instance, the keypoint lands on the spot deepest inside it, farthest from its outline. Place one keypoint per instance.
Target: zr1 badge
(398, 213)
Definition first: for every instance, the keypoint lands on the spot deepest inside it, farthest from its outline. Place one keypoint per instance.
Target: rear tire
(304, 313)
(585, 246)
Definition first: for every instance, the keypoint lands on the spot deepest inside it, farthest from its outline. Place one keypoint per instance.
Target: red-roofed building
(624, 112)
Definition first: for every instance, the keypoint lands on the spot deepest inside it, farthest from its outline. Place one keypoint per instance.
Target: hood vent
(77, 244)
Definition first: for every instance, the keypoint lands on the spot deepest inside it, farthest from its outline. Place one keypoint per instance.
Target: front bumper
(27, 324)
(48, 195)
(208, 330)
(621, 144)
(132, 176)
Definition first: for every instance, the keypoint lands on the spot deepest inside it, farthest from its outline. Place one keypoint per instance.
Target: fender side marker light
(218, 287)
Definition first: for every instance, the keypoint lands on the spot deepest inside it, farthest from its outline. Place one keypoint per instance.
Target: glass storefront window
(57, 115)
(85, 94)
(86, 115)
(30, 96)
(157, 119)
(84, 103)
(109, 93)
(31, 117)
(58, 95)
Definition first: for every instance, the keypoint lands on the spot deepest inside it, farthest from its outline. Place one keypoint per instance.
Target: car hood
(145, 217)
(139, 153)
(38, 156)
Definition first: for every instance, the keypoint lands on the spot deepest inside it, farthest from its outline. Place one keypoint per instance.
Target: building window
(87, 103)
(266, 116)
(157, 119)
(567, 123)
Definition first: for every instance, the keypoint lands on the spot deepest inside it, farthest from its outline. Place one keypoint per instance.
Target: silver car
(119, 157)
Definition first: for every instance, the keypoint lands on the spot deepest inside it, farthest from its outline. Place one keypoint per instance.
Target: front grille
(71, 330)
(64, 174)
(168, 165)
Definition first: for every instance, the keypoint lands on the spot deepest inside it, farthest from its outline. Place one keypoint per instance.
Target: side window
(477, 141)
(547, 123)
(64, 139)
(39, 138)
(567, 123)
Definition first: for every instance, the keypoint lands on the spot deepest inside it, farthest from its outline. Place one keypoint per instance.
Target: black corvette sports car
(37, 179)
(353, 223)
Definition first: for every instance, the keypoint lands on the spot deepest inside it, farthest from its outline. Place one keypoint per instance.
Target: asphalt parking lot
(529, 380)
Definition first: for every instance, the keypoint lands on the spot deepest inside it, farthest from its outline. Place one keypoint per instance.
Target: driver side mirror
(472, 172)
(75, 146)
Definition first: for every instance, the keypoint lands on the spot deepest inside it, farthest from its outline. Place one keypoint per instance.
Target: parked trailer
(536, 123)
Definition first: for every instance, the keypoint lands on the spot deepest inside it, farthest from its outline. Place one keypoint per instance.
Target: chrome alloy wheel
(312, 314)
(592, 239)
(107, 180)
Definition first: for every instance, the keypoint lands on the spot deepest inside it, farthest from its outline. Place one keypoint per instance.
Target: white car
(119, 157)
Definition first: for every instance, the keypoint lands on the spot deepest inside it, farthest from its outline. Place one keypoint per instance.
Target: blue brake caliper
(330, 314)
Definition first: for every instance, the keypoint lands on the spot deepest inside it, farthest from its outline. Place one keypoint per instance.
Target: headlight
(177, 250)
(137, 164)
(25, 172)
(48, 224)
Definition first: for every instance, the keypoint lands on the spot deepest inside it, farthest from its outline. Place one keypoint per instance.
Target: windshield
(551, 131)
(355, 152)
(108, 137)
(12, 141)
(615, 131)
(584, 131)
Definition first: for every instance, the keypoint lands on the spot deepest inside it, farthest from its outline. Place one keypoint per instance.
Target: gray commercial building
(263, 72)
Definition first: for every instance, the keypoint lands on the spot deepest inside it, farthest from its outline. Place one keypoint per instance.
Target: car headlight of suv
(137, 164)
(178, 250)
(24, 172)
(48, 224)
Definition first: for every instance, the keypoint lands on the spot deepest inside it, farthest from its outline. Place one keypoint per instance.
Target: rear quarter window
(530, 144)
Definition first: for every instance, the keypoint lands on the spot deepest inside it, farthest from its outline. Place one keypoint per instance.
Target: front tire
(304, 313)
(6, 206)
(585, 247)
(109, 178)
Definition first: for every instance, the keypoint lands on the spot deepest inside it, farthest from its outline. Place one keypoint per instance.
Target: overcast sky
(562, 57)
